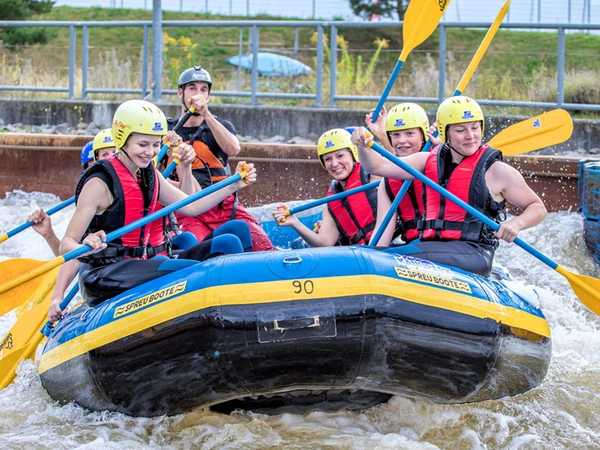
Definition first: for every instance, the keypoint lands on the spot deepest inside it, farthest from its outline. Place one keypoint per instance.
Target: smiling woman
(126, 187)
(349, 220)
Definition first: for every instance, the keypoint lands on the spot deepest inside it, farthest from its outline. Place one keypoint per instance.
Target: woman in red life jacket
(346, 221)
(124, 188)
(471, 171)
(403, 131)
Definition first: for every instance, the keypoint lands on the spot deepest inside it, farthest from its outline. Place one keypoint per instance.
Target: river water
(563, 413)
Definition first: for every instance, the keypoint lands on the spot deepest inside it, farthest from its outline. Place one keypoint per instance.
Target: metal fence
(538, 11)
(254, 95)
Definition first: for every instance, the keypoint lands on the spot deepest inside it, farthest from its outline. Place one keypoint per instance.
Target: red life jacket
(444, 220)
(410, 208)
(354, 215)
(133, 199)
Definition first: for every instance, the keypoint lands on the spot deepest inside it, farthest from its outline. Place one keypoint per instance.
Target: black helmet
(196, 73)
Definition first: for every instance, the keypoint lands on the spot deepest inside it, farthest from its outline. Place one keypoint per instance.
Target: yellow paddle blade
(482, 48)
(12, 269)
(545, 130)
(23, 330)
(420, 20)
(22, 340)
(8, 365)
(586, 288)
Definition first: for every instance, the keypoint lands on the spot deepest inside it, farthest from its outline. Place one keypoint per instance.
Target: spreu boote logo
(399, 123)
(537, 123)
(157, 127)
(468, 115)
(328, 144)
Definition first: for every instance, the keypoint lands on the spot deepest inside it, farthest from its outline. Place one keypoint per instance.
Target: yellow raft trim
(292, 290)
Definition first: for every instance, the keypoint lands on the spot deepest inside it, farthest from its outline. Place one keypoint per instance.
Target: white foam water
(562, 413)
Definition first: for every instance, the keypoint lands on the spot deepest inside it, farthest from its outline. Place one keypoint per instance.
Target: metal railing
(254, 26)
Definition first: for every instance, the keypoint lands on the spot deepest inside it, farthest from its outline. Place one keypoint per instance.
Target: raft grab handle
(292, 260)
(296, 324)
(296, 321)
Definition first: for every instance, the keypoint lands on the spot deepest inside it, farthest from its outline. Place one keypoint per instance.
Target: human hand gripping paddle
(420, 20)
(586, 288)
(459, 89)
(26, 283)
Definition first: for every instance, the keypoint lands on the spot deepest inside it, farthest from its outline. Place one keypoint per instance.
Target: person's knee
(184, 240)
(238, 228)
(225, 244)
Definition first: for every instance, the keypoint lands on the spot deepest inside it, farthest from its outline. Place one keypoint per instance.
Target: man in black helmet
(214, 141)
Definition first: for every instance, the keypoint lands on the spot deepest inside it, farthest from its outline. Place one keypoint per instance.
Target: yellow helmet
(406, 116)
(102, 140)
(334, 140)
(459, 109)
(137, 116)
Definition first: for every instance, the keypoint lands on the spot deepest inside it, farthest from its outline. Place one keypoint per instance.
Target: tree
(22, 10)
(383, 8)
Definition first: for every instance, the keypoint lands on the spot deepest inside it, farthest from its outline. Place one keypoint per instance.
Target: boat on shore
(296, 330)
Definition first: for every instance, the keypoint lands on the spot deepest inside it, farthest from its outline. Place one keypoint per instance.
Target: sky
(546, 11)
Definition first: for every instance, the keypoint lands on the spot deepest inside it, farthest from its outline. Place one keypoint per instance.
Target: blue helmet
(87, 154)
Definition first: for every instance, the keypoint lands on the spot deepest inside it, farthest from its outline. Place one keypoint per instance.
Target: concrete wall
(257, 121)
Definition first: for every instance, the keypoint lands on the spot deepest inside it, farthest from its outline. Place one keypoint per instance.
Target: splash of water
(561, 413)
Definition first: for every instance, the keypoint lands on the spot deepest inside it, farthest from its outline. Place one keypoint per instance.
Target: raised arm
(376, 164)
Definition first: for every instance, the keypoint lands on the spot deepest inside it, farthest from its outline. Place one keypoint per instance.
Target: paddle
(170, 168)
(481, 50)
(586, 288)
(25, 339)
(420, 20)
(459, 89)
(356, 190)
(544, 130)
(26, 225)
(177, 127)
(22, 339)
(34, 268)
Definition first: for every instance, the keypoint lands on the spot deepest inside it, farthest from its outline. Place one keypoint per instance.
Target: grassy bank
(519, 65)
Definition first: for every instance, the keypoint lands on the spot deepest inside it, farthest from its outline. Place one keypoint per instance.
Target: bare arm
(376, 164)
(65, 275)
(169, 194)
(94, 199)
(328, 233)
(228, 142)
(378, 128)
(187, 182)
(43, 226)
(506, 182)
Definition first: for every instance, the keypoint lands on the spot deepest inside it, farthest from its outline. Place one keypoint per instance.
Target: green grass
(519, 65)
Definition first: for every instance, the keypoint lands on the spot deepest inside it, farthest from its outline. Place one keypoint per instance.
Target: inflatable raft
(293, 330)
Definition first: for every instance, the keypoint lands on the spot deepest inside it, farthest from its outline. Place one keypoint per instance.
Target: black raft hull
(268, 332)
